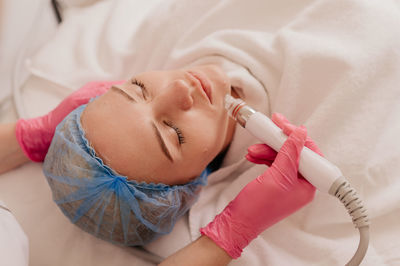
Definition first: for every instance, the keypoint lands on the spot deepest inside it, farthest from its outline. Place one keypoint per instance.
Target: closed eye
(181, 137)
(142, 86)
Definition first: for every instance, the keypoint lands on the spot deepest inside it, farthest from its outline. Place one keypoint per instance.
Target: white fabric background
(330, 65)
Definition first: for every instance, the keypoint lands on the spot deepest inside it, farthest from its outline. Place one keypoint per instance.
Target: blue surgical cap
(102, 202)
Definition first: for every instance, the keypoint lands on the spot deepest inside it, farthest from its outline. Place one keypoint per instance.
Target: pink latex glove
(34, 135)
(263, 154)
(274, 195)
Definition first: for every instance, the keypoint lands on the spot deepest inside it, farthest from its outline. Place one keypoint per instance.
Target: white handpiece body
(313, 167)
(324, 175)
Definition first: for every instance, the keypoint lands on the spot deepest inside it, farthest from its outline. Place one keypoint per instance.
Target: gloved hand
(34, 135)
(263, 154)
(274, 195)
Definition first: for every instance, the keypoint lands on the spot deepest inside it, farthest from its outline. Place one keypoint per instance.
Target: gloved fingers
(280, 120)
(91, 90)
(312, 146)
(258, 161)
(78, 98)
(286, 163)
(35, 134)
(307, 191)
(261, 154)
(287, 128)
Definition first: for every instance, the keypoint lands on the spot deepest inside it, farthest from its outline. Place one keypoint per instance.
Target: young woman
(127, 165)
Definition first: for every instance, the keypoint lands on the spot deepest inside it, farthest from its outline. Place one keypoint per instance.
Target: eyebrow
(157, 132)
(162, 143)
(123, 93)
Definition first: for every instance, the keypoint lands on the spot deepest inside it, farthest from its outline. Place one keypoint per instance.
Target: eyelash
(141, 85)
(179, 133)
(181, 138)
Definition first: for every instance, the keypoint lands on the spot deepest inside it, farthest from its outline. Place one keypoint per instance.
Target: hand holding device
(324, 175)
(264, 154)
(269, 198)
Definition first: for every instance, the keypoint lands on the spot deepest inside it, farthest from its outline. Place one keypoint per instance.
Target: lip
(204, 82)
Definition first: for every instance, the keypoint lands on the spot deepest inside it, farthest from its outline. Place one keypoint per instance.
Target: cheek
(207, 137)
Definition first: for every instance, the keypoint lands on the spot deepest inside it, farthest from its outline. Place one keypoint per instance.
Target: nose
(176, 96)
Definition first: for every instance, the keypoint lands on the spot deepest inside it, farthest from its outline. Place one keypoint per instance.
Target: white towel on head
(330, 65)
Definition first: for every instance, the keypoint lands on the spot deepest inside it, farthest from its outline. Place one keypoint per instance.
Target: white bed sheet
(369, 158)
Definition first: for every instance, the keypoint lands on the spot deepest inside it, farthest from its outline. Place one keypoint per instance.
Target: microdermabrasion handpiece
(324, 175)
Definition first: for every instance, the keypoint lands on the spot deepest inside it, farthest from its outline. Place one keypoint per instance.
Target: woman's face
(162, 126)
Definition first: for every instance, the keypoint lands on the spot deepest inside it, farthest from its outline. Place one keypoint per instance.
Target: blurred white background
(24, 26)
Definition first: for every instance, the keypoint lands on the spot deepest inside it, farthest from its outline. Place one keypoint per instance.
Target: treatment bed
(333, 66)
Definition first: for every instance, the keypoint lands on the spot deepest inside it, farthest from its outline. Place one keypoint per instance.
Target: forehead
(122, 136)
